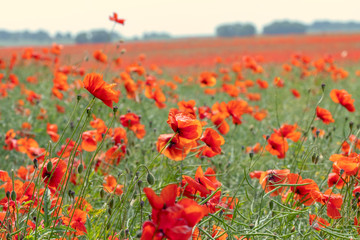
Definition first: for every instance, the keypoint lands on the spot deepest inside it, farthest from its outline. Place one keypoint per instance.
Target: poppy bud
(251, 225)
(150, 124)
(35, 161)
(109, 211)
(80, 168)
(323, 86)
(88, 111)
(49, 166)
(102, 193)
(293, 229)
(13, 195)
(351, 124)
(71, 125)
(115, 109)
(142, 203)
(150, 178)
(127, 231)
(267, 137)
(317, 133)
(251, 155)
(8, 194)
(271, 205)
(346, 119)
(123, 51)
(342, 171)
(111, 203)
(78, 97)
(154, 130)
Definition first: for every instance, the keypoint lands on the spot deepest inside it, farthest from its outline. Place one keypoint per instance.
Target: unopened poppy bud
(123, 51)
(313, 158)
(72, 125)
(127, 231)
(150, 124)
(251, 155)
(267, 137)
(317, 133)
(80, 168)
(351, 124)
(49, 166)
(323, 86)
(251, 225)
(8, 194)
(342, 171)
(13, 195)
(142, 203)
(35, 161)
(88, 111)
(115, 109)
(346, 119)
(111, 203)
(293, 229)
(150, 178)
(102, 193)
(86, 58)
(78, 97)
(154, 130)
(271, 205)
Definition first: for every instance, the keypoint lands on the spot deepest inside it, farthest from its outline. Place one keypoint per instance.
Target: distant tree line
(286, 27)
(94, 36)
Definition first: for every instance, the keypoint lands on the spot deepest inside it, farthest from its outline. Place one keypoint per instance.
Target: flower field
(206, 138)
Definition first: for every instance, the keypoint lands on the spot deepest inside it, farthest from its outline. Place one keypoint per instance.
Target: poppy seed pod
(78, 97)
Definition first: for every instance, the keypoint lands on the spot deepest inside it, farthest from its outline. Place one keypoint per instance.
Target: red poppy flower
(213, 139)
(317, 222)
(344, 98)
(169, 219)
(52, 129)
(95, 84)
(111, 185)
(324, 115)
(116, 19)
(77, 222)
(176, 150)
(277, 145)
(57, 172)
(185, 125)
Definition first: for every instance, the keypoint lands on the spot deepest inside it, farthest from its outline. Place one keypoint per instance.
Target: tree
(82, 37)
(98, 36)
(284, 27)
(235, 30)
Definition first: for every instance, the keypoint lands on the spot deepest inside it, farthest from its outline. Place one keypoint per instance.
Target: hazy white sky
(181, 17)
